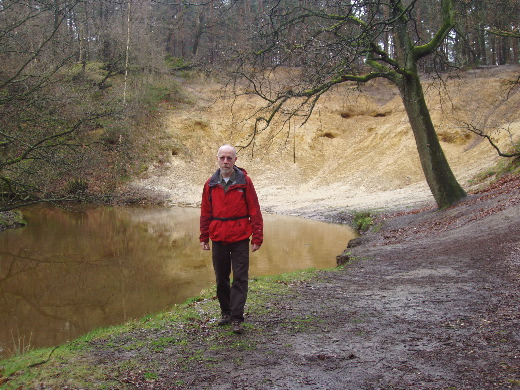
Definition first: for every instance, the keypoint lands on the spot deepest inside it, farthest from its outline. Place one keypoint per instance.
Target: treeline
(196, 32)
(207, 31)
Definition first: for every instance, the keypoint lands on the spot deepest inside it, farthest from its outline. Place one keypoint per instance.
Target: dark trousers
(234, 256)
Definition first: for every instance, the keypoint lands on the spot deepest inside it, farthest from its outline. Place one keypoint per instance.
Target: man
(230, 214)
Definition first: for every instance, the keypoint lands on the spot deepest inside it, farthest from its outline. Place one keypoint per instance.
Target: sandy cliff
(357, 150)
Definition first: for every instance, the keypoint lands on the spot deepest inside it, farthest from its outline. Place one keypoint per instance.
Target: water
(70, 271)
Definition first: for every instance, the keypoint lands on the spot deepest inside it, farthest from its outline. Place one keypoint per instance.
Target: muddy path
(428, 302)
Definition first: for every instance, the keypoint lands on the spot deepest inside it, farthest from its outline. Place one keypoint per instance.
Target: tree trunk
(198, 33)
(441, 180)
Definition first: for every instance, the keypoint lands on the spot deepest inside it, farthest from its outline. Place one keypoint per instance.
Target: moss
(178, 329)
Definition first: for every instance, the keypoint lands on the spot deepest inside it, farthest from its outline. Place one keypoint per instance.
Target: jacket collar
(240, 177)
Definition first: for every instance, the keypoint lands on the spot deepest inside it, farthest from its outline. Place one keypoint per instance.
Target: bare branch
(474, 129)
(514, 33)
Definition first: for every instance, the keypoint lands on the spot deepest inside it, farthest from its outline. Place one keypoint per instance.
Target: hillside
(355, 152)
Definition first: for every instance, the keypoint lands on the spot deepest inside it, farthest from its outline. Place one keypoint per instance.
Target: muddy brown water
(70, 271)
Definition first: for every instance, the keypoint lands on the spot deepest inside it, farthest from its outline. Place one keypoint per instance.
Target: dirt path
(428, 302)
(433, 301)
(433, 304)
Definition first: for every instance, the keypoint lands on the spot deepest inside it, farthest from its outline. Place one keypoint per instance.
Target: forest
(79, 78)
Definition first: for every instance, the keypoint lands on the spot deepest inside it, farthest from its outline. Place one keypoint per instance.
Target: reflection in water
(68, 272)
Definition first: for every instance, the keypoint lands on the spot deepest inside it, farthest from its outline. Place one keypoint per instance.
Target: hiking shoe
(237, 327)
(226, 319)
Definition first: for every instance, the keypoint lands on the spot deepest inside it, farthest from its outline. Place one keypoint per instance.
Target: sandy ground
(356, 152)
(429, 302)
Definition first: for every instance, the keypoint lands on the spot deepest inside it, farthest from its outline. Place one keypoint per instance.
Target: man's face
(226, 160)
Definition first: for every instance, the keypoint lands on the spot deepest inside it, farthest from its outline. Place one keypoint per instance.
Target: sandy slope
(356, 151)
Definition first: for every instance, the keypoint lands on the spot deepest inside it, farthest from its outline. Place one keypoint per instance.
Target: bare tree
(344, 41)
(43, 126)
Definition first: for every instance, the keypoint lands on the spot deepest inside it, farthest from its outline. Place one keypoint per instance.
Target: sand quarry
(356, 152)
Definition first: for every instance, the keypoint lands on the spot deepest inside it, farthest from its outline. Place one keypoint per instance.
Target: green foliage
(74, 138)
(112, 134)
(175, 63)
(175, 328)
(154, 94)
(347, 258)
(363, 220)
(244, 345)
(10, 219)
(21, 345)
(150, 375)
(93, 73)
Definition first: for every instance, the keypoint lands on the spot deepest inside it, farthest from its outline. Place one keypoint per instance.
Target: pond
(70, 271)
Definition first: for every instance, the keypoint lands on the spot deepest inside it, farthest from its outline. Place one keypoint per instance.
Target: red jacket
(233, 215)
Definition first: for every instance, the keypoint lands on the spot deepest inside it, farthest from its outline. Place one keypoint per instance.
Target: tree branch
(481, 133)
(448, 17)
(515, 33)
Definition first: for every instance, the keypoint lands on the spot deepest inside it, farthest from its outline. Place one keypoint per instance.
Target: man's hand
(205, 246)
(255, 247)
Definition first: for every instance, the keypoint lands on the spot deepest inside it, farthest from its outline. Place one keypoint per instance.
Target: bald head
(226, 158)
(227, 148)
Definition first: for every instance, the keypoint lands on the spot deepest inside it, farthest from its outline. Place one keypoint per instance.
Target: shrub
(76, 186)
(363, 220)
(11, 219)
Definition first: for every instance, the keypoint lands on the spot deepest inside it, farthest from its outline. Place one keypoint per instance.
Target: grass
(21, 345)
(108, 149)
(187, 332)
(303, 324)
